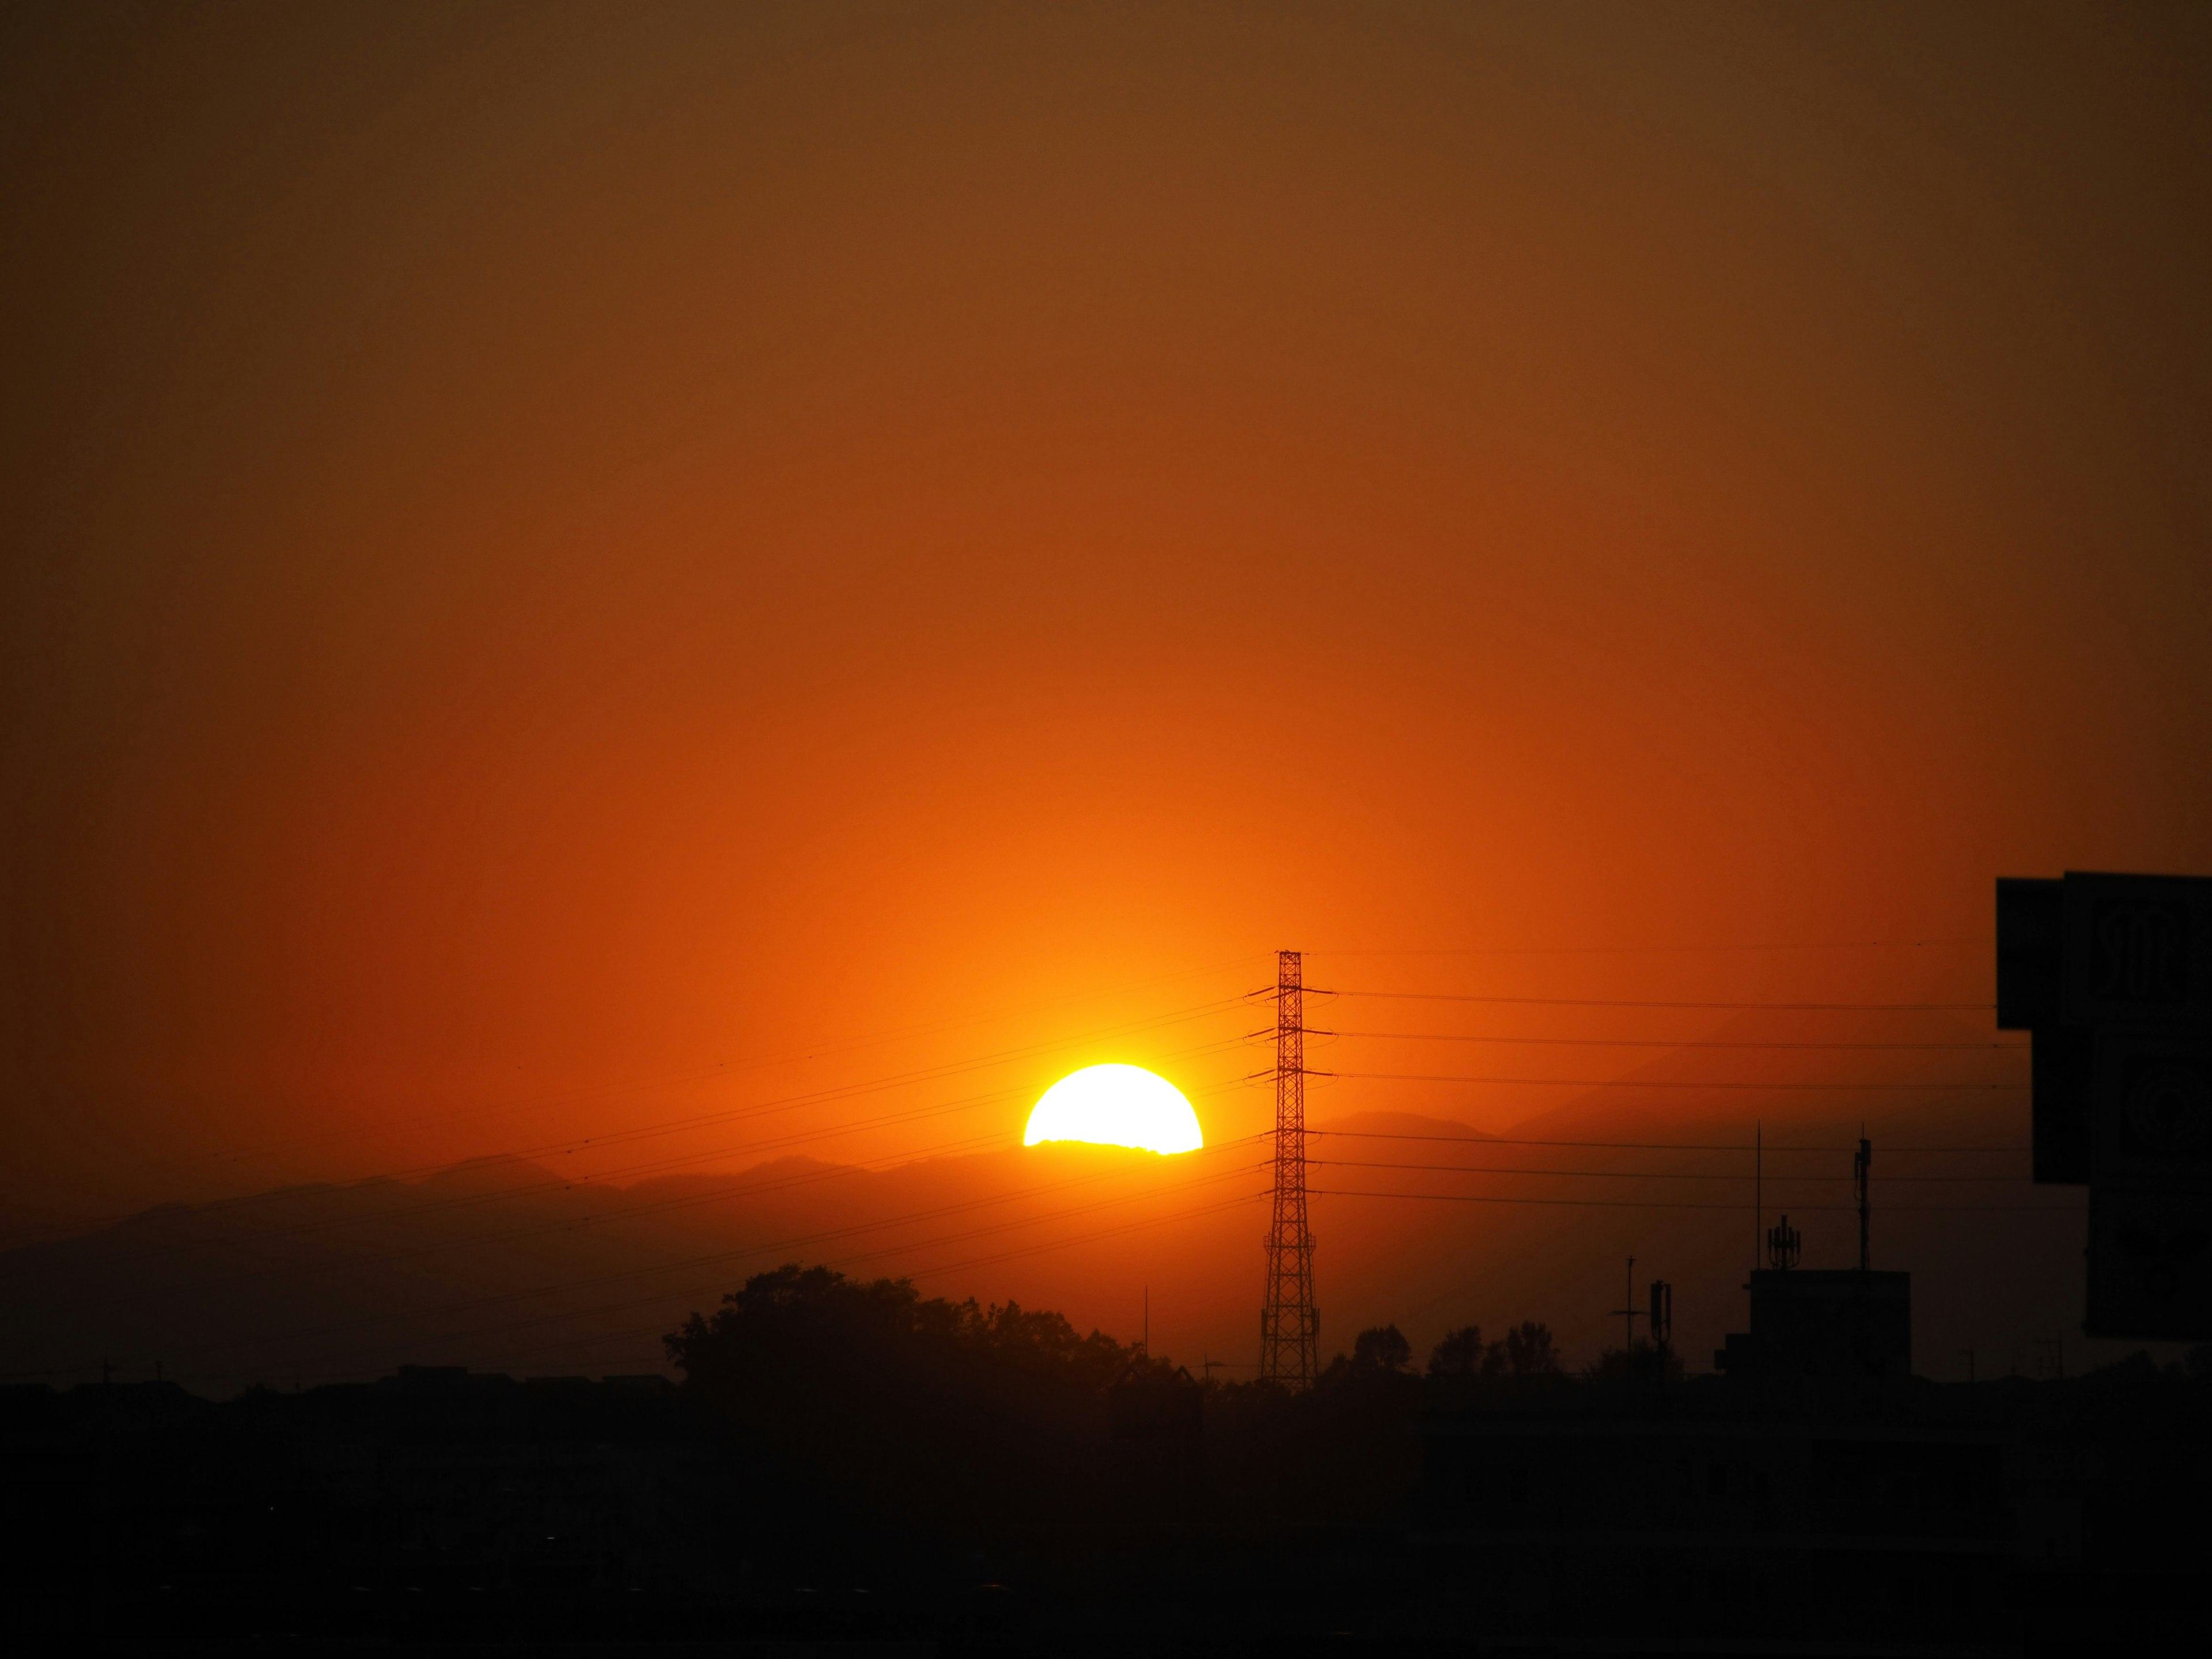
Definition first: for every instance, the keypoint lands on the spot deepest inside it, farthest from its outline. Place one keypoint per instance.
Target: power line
(253, 1233)
(721, 1115)
(733, 1115)
(634, 1331)
(733, 1192)
(1049, 1245)
(1480, 1139)
(1659, 1083)
(1676, 1204)
(719, 1256)
(2021, 1049)
(720, 1195)
(719, 1069)
(1664, 950)
(767, 1247)
(568, 1223)
(923, 1074)
(1642, 1175)
(1624, 1002)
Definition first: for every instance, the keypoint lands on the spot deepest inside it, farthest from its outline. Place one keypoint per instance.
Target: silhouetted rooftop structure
(1825, 1325)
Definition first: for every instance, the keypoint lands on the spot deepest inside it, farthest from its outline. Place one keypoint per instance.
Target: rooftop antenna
(1782, 1246)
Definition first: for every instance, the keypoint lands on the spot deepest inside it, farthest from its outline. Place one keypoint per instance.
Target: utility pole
(1862, 1166)
(1629, 1312)
(1290, 1326)
(1758, 1185)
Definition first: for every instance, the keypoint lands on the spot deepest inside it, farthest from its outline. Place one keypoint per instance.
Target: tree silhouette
(1458, 1353)
(1528, 1351)
(868, 1397)
(1640, 1364)
(1380, 1348)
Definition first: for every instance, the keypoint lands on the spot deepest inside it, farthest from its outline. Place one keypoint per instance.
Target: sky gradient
(555, 555)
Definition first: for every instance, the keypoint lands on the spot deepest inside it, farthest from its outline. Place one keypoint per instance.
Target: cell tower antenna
(1784, 1244)
(1290, 1326)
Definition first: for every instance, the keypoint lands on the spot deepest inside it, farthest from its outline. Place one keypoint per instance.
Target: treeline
(866, 1404)
(789, 1330)
(1524, 1354)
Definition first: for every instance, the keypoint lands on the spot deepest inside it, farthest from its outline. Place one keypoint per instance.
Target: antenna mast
(1290, 1327)
(1758, 1187)
(1861, 1167)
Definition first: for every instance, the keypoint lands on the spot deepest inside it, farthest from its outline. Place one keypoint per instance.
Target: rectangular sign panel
(2111, 976)
(2151, 1116)
(2139, 949)
(2150, 1203)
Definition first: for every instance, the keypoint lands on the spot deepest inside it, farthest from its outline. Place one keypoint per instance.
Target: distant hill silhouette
(502, 1264)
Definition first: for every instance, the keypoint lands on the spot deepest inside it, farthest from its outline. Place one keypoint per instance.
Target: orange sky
(555, 555)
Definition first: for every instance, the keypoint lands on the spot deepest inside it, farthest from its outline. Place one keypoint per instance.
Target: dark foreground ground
(993, 1485)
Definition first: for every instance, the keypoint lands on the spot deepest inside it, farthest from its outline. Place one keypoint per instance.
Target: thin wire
(252, 1232)
(719, 1069)
(1086, 1239)
(1480, 1140)
(1641, 1175)
(725, 1194)
(767, 1247)
(1620, 1002)
(1661, 950)
(633, 1332)
(733, 1115)
(1657, 1082)
(1733, 1209)
(718, 1256)
(723, 1115)
(2021, 1049)
(562, 1223)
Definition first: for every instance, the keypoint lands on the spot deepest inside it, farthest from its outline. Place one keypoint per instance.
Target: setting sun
(1115, 1106)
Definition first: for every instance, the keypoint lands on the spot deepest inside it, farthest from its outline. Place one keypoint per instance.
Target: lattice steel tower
(1290, 1327)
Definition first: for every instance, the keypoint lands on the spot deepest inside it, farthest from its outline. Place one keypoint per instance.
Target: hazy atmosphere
(958, 823)
(628, 629)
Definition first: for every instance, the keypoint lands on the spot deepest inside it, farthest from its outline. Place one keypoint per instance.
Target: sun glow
(1115, 1106)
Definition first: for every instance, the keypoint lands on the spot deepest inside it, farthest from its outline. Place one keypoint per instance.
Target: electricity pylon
(1290, 1326)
